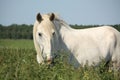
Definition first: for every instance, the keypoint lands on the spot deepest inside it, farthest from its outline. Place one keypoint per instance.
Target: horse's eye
(53, 33)
(40, 34)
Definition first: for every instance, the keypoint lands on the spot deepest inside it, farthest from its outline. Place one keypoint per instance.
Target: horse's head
(44, 36)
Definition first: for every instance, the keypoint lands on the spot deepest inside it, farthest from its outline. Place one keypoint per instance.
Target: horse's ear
(39, 17)
(52, 16)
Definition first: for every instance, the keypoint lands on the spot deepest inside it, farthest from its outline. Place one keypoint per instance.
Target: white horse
(90, 45)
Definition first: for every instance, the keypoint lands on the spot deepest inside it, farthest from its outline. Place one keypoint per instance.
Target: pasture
(18, 62)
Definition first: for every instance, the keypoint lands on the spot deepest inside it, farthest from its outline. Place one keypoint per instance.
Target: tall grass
(18, 63)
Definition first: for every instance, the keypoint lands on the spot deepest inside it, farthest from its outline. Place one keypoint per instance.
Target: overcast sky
(72, 11)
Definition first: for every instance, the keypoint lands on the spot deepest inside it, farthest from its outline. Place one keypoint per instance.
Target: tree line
(24, 31)
(15, 31)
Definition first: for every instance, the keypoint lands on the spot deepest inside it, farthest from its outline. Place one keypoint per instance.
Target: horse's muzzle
(49, 61)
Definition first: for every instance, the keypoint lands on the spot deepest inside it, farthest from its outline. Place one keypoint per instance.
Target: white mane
(62, 22)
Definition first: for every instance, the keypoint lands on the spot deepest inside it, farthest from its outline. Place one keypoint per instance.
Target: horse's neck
(65, 32)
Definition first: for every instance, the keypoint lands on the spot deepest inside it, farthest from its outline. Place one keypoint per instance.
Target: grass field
(21, 44)
(18, 62)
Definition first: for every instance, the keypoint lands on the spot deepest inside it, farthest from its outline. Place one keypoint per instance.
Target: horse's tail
(116, 52)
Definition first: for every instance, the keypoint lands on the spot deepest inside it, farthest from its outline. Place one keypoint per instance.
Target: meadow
(18, 62)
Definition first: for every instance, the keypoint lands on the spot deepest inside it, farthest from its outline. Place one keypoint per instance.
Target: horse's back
(98, 29)
(97, 42)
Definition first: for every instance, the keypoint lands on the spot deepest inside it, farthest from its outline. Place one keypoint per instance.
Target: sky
(81, 12)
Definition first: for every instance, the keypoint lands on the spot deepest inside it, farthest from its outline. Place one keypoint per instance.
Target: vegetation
(24, 31)
(15, 31)
(18, 62)
(20, 43)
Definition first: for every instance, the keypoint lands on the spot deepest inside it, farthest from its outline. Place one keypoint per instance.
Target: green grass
(18, 62)
(22, 44)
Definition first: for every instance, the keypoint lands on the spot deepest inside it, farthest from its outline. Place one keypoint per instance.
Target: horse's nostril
(49, 61)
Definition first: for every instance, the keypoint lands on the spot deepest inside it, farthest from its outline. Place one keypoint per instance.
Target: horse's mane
(60, 20)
